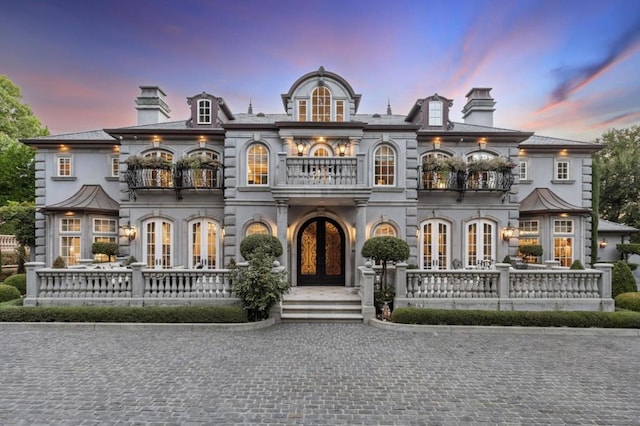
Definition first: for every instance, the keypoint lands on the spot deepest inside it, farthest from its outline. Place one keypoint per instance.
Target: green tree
(385, 250)
(20, 220)
(620, 176)
(17, 173)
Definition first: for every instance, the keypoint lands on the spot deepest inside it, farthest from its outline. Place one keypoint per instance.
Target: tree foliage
(620, 176)
(622, 280)
(385, 250)
(17, 172)
(20, 218)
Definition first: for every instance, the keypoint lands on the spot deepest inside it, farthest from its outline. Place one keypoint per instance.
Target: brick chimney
(479, 108)
(152, 106)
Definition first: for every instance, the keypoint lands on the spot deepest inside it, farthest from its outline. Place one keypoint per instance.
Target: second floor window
(384, 166)
(114, 165)
(523, 170)
(204, 111)
(63, 165)
(321, 104)
(562, 170)
(302, 110)
(257, 165)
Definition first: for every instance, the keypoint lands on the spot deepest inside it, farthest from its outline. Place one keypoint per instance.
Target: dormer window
(321, 104)
(435, 113)
(204, 111)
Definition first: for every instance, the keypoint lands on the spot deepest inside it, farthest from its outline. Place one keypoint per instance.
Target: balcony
(174, 177)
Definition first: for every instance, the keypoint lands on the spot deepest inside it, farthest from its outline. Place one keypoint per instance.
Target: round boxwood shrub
(269, 245)
(18, 281)
(622, 280)
(8, 292)
(576, 264)
(59, 263)
(629, 301)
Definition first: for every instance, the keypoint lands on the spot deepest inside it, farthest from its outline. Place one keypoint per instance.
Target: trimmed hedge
(581, 319)
(8, 292)
(147, 314)
(630, 301)
(622, 280)
(18, 281)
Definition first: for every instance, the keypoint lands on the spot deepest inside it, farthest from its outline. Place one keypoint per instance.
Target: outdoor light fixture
(342, 148)
(436, 143)
(602, 244)
(508, 233)
(129, 231)
(482, 143)
(300, 149)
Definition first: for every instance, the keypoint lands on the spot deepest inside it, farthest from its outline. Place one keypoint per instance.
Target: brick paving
(313, 374)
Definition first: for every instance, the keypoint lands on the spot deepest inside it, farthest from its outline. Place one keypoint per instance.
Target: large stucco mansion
(320, 176)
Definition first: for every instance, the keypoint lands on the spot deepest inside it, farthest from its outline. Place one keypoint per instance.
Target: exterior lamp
(129, 231)
(342, 148)
(602, 244)
(482, 143)
(508, 233)
(300, 149)
(436, 143)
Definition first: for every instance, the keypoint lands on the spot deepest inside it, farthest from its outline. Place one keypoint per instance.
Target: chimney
(479, 108)
(152, 106)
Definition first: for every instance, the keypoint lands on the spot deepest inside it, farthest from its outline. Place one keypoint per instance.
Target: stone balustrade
(8, 243)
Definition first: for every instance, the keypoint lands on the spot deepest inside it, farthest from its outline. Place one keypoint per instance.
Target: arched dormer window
(204, 111)
(321, 104)
(384, 167)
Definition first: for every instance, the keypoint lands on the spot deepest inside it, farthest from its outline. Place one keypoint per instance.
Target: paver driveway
(313, 374)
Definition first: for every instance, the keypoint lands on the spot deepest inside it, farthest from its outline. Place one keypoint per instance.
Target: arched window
(320, 151)
(156, 177)
(479, 174)
(435, 244)
(206, 177)
(436, 174)
(257, 228)
(384, 166)
(321, 104)
(480, 238)
(384, 229)
(204, 111)
(257, 165)
(157, 243)
(204, 240)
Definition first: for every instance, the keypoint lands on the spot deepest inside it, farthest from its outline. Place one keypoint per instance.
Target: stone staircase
(321, 304)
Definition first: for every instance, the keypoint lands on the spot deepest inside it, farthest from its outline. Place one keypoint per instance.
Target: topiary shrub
(269, 244)
(385, 250)
(108, 249)
(622, 280)
(629, 301)
(19, 281)
(530, 250)
(8, 292)
(59, 263)
(576, 265)
(507, 259)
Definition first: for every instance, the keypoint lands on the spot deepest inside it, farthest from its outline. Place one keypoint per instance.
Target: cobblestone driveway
(314, 374)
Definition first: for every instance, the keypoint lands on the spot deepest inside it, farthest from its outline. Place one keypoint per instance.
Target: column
(361, 230)
(282, 220)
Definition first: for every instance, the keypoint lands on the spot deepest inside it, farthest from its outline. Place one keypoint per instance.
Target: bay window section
(563, 230)
(70, 232)
(529, 234)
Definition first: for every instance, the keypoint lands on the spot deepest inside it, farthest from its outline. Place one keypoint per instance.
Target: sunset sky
(564, 68)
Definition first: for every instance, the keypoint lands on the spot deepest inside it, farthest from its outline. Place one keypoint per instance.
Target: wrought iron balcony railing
(489, 180)
(177, 179)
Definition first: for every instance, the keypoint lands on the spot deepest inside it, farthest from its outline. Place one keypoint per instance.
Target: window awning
(545, 201)
(88, 199)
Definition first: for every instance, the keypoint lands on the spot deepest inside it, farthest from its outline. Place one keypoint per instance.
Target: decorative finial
(250, 111)
(388, 106)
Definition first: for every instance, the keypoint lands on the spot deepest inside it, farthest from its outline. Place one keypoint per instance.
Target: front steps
(321, 304)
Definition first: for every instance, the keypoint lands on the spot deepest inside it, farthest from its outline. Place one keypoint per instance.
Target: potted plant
(136, 162)
(455, 164)
(196, 162)
(534, 250)
(501, 164)
(479, 165)
(108, 249)
(434, 164)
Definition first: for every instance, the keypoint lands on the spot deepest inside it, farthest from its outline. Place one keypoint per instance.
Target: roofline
(321, 72)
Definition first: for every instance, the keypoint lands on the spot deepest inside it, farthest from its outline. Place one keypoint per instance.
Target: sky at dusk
(563, 68)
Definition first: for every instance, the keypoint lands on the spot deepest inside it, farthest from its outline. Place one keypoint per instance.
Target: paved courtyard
(313, 374)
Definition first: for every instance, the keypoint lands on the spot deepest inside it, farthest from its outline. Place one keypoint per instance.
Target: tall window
(481, 247)
(321, 104)
(434, 179)
(435, 113)
(204, 111)
(384, 166)
(529, 234)
(104, 231)
(523, 170)
(436, 245)
(203, 244)
(205, 177)
(70, 231)
(160, 178)
(257, 228)
(257, 165)
(157, 244)
(563, 241)
(302, 110)
(562, 170)
(384, 230)
(114, 165)
(63, 166)
(340, 111)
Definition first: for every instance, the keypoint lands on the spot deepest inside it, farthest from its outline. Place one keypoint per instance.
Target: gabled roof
(543, 200)
(613, 227)
(89, 198)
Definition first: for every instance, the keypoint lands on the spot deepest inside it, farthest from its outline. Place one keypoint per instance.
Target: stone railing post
(604, 282)
(367, 278)
(137, 283)
(401, 279)
(281, 169)
(33, 283)
(503, 280)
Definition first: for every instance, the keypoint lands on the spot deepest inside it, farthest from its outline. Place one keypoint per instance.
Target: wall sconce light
(482, 143)
(602, 244)
(436, 143)
(342, 148)
(300, 149)
(129, 231)
(508, 233)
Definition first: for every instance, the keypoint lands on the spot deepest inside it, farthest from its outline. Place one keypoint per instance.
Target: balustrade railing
(198, 283)
(76, 283)
(452, 284)
(329, 171)
(8, 243)
(554, 284)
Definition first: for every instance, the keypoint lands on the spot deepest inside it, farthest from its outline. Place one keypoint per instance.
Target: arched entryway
(321, 248)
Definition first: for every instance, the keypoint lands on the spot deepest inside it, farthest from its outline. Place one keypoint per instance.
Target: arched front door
(321, 253)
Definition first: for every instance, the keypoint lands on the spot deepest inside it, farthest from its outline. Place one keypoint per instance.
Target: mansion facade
(321, 177)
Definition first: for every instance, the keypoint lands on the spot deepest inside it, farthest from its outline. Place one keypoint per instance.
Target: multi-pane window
(161, 178)
(563, 241)
(203, 244)
(70, 229)
(340, 111)
(321, 104)
(528, 234)
(204, 111)
(257, 228)
(384, 230)
(104, 231)
(157, 243)
(436, 245)
(481, 247)
(523, 170)
(205, 177)
(384, 167)
(435, 113)
(434, 178)
(257, 165)
(562, 170)
(114, 165)
(302, 110)
(63, 166)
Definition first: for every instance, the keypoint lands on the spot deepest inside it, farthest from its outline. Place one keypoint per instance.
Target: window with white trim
(480, 238)
(204, 243)
(205, 177)
(529, 234)
(523, 170)
(114, 165)
(340, 111)
(257, 165)
(321, 104)
(384, 230)
(302, 110)
(70, 232)
(64, 165)
(562, 171)
(104, 231)
(204, 111)
(435, 113)
(257, 228)
(157, 243)
(160, 177)
(435, 244)
(384, 167)
(563, 230)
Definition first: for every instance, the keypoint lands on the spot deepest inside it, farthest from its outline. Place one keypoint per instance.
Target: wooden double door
(321, 253)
